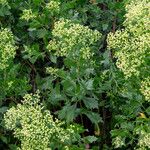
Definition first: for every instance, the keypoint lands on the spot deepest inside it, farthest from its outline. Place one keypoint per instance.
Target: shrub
(35, 127)
(131, 48)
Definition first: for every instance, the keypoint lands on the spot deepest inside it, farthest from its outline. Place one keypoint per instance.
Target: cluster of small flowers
(118, 142)
(34, 126)
(132, 44)
(52, 71)
(131, 52)
(28, 15)
(73, 40)
(145, 88)
(144, 140)
(138, 15)
(7, 48)
(53, 7)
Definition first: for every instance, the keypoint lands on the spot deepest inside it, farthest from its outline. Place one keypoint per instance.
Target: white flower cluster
(131, 51)
(28, 15)
(145, 88)
(138, 15)
(118, 142)
(34, 126)
(132, 45)
(73, 40)
(52, 71)
(53, 7)
(7, 48)
(144, 141)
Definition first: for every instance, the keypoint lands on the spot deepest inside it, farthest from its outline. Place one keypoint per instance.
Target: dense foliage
(82, 70)
(36, 128)
(132, 49)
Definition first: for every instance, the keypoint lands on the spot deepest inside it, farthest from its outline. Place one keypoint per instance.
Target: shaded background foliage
(92, 96)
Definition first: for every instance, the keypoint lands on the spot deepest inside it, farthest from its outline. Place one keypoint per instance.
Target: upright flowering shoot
(73, 40)
(28, 15)
(137, 18)
(7, 48)
(145, 88)
(34, 126)
(132, 44)
(53, 7)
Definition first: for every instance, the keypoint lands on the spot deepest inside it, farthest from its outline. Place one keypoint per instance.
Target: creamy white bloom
(132, 45)
(34, 126)
(73, 40)
(7, 48)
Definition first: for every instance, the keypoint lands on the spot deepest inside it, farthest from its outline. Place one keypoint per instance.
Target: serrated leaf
(90, 103)
(91, 139)
(55, 96)
(89, 84)
(41, 33)
(119, 132)
(69, 113)
(94, 117)
(89, 71)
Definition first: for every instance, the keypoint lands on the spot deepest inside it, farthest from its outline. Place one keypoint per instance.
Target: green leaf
(105, 26)
(89, 84)
(4, 11)
(55, 95)
(32, 52)
(53, 58)
(4, 139)
(13, 147)
(119, 132)
(41, 33)
(69, 86)
(90, 103)
(89, 71)
(90, 139)
(37, 2)
(94, 117)
(68, 112)
(3, 109)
